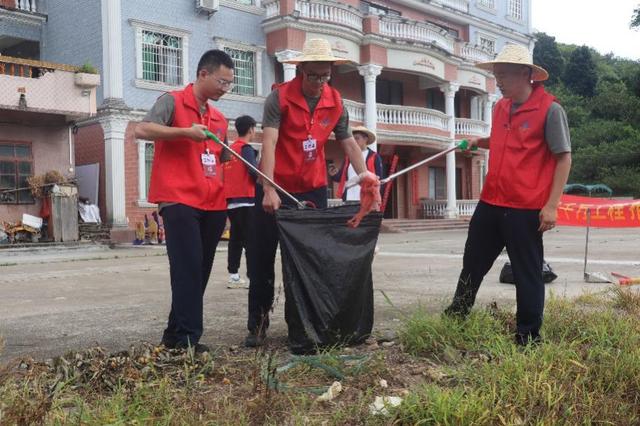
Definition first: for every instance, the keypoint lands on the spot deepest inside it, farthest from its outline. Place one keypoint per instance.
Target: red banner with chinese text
(605, 212)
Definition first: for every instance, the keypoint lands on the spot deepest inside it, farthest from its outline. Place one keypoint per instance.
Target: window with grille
(487, 4)
(487, 44)
(145, 165)
(148, 164)
(244, 78)
(162, 58)
(16, 166)
(515, 9)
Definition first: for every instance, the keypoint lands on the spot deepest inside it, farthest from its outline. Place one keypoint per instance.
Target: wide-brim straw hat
(369, 133)
(316, 50)
(519, 55)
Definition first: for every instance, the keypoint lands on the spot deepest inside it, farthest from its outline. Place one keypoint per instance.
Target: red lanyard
(313, 117)
(206, 141)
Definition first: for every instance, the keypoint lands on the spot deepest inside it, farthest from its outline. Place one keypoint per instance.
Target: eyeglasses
(316, 78)
(225, 84)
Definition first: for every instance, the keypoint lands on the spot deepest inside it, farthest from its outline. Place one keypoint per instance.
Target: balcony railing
(416, 31)
(355, 110)
(26, 5)
(434, 209)
(461, 5)
(412, 116)
(400, 115)
(330, 12)
(475, 53)
(466, 126)
(272, 9)
(45, 87)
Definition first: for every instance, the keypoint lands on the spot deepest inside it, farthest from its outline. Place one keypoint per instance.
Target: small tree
(547, 55)
(635, 20)
(580, 74)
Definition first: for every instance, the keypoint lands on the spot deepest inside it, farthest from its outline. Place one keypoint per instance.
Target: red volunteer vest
(371, 166)
(521, 166)
(177, 174)
(292, 172)
(238, 183)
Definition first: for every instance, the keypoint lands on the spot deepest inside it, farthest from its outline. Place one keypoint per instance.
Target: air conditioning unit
(208, 6)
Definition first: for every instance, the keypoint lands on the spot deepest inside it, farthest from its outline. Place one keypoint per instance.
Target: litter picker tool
(214, 138)
(464, 144)
(592, 277)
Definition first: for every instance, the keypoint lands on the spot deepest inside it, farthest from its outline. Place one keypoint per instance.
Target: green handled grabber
(463, 145)
(214, 138)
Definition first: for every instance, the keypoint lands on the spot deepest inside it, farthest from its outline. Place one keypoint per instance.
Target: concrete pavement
(61, 298)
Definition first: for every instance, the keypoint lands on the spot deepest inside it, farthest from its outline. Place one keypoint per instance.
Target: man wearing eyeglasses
(186, 183)
(299, 117)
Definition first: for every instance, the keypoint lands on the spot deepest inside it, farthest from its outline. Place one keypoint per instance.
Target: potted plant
(87, 76)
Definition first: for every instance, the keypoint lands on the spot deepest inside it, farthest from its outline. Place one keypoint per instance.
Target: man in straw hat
(529, 163)
(363, 137)
(299, 116)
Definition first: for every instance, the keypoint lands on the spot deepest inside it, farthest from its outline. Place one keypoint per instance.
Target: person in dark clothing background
(240, 190)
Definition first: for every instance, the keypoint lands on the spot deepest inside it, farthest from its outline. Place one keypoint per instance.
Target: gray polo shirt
(272, 115)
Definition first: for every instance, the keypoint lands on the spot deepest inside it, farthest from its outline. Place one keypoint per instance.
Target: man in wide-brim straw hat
(363, 137)
(299, 117)
(529, 163)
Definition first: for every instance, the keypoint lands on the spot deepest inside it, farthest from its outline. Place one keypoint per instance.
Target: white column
(289, 69)
(114, 129)
(112, 49)
(488, 101)
(370, 72)
(449, 90)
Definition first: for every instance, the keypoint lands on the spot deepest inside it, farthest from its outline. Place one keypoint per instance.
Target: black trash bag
(506, 273)
(327, 276)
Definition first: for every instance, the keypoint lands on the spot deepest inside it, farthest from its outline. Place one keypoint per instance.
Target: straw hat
(369, 133)
(316, 50)
(519, 55)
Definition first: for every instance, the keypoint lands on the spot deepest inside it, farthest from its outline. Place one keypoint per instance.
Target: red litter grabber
(625, 280)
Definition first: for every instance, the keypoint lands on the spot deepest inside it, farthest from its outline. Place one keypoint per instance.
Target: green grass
(448, 371)
(586, 371)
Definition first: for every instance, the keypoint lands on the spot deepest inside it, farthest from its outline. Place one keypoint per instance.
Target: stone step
(405, 225)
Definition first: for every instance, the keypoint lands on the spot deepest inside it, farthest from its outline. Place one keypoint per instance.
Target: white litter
(333, 391)
(383, 384)
(381, 403)
(34, 222)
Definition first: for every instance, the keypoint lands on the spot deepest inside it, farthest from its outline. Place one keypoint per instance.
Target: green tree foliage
(635, 20)
(605, 124)
(547, 55)
(580, 74)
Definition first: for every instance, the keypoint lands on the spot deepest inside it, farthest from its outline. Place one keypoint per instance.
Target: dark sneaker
(253, 340)
(198, 348)
(527, 339)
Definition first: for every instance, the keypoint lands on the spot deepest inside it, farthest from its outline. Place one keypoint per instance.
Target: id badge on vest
(309, 149)
(208, 164)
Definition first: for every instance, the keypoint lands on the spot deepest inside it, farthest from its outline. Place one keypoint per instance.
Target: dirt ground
(59, 298)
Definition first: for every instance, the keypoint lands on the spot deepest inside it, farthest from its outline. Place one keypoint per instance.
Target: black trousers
(263, 245)
(192, 236)
(490, 230)
(240, 219)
